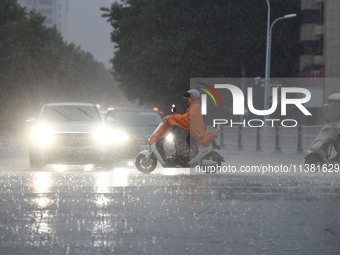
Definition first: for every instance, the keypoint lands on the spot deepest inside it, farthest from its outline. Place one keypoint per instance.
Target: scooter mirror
(173, 109)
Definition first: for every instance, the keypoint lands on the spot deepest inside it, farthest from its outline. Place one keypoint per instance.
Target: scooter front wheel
(145, 164)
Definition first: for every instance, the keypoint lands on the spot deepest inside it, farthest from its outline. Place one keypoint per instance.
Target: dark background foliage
(161, 44)
(37, 66)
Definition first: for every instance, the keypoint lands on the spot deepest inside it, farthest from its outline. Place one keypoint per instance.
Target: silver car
(136, 125)
(70, 133)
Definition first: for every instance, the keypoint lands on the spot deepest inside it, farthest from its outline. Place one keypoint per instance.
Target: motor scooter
(146, 160)
(320, 151)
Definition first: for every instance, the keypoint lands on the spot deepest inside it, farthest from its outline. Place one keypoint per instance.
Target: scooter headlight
(169, 138)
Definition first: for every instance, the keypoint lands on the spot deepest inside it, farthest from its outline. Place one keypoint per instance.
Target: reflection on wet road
(169, 212)
(83, 210)
(66, 209)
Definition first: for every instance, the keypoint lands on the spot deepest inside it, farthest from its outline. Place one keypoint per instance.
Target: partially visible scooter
(320, 151)
(146, 160)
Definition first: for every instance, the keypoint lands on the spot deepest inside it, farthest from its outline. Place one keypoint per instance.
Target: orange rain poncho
(195, 128)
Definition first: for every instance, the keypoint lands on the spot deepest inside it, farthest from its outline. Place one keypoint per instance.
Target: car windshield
(70, 113)
(136, 118)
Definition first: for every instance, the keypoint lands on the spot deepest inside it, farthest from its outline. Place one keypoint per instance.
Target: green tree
(161, 44)
(37, 66)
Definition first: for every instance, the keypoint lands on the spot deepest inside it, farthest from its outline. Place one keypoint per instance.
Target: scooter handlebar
(165, 118)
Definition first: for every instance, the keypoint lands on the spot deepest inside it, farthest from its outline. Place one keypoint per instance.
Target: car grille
(74, 139)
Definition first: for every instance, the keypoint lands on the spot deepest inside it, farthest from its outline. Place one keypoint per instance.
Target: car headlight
(42, 135)
(120, 137)
(103, 135)
(106, 136)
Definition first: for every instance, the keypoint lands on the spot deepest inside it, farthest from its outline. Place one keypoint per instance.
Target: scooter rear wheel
(313, 160)
(216, 157)
(145, 164)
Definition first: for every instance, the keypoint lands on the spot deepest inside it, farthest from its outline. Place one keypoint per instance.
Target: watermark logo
(243, 102)
(204, 96)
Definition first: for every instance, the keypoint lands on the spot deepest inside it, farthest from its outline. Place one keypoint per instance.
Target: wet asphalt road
(172, 211)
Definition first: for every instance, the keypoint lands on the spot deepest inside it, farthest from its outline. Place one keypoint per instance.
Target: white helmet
(192, 93)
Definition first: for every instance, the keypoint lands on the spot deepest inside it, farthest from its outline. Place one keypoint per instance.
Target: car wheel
(145, 164)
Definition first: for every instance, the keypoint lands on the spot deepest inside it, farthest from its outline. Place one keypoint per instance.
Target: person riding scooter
(182, 125)
(202, 147)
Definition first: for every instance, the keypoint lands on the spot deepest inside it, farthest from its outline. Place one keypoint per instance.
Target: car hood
(76, 127)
